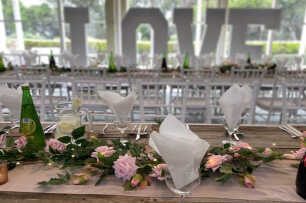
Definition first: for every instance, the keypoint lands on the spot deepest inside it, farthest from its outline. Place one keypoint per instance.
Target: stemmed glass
(231, 132)
(186, 190)
(121, 122)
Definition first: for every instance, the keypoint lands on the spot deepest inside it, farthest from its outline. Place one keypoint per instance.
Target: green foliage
(237, 166)
(61, 179)
(2, 66)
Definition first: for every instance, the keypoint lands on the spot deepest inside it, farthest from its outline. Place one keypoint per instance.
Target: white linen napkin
(11, 99)
(29, 57)
(72, 59)
(234, 102)
(121, 106)
(181, 149)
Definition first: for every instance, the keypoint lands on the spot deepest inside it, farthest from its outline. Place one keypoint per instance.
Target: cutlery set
(291, 131)
(139, 130)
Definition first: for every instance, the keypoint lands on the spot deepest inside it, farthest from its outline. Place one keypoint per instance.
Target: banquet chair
(37, 89)
(196, 101)
(87, 91)
(269, 102)
(293, 101)
(157, 100)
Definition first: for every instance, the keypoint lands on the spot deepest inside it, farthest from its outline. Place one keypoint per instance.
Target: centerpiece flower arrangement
(136, 165)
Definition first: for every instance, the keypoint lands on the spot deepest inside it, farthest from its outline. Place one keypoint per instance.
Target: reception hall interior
(152, 100)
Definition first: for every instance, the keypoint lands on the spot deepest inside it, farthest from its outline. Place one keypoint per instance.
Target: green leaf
(244, 152)
(224, 178)
(10, 142)
(227, 168)
(227, 146)
(78, 133)
(146, 169)
(65, 139)
(83, 142)
(100, 179)
(61, 179)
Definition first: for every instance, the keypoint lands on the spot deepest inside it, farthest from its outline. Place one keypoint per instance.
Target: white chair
(157, 100)
(87, 91)
(293, 101)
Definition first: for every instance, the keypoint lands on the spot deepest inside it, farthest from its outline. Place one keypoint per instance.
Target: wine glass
(230, 133)
(121, 122)
(184, 191)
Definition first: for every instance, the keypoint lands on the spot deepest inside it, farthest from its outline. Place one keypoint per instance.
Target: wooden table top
(275, 181)
(256, 135)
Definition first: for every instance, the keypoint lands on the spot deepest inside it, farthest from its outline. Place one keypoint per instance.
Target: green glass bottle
(164, 66)
(112, 67)
(2, 67)
(249, 60)
(30, 125)
(52, 63)
(186, 62)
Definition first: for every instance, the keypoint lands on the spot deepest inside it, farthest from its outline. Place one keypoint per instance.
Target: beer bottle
(52, 63)
(186, 62)
(112, 67)
(164, 66)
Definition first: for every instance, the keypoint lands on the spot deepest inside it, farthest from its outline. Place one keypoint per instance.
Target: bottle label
(27, 126)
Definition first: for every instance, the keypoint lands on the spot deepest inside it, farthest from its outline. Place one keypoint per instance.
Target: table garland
(135, 164)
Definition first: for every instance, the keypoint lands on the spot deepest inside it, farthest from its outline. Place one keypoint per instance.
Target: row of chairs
(281, 101)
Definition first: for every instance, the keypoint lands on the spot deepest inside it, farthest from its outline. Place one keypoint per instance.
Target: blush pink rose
(56, 145)
(21, 142)
(214, 162)
(104, 151)
(125, 167)
(240, 145)
(157, 171)
(267, 152)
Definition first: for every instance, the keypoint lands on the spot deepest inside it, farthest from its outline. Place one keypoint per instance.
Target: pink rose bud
(249, 181)
(158, 171)
(104, 151)
(21, 142)
(267, 152)
(136, 179)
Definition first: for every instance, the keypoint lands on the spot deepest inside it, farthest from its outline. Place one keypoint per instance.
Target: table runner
(275, 183)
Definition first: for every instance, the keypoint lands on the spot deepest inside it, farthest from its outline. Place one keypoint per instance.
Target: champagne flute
(184, 191)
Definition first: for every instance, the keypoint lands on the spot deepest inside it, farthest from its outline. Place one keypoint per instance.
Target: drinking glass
(66, 123)
(186, 190)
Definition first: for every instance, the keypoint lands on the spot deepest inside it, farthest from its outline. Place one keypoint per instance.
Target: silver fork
(105, 127)
(138, 133)
(290, 130)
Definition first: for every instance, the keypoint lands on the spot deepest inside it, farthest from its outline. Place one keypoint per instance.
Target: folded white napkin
(181, 149)
(234, 102)
(29, 57)
(11, 99)
(121, 106)
(72, 59)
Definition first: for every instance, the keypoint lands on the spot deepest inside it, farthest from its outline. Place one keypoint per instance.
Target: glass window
(40, 28)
